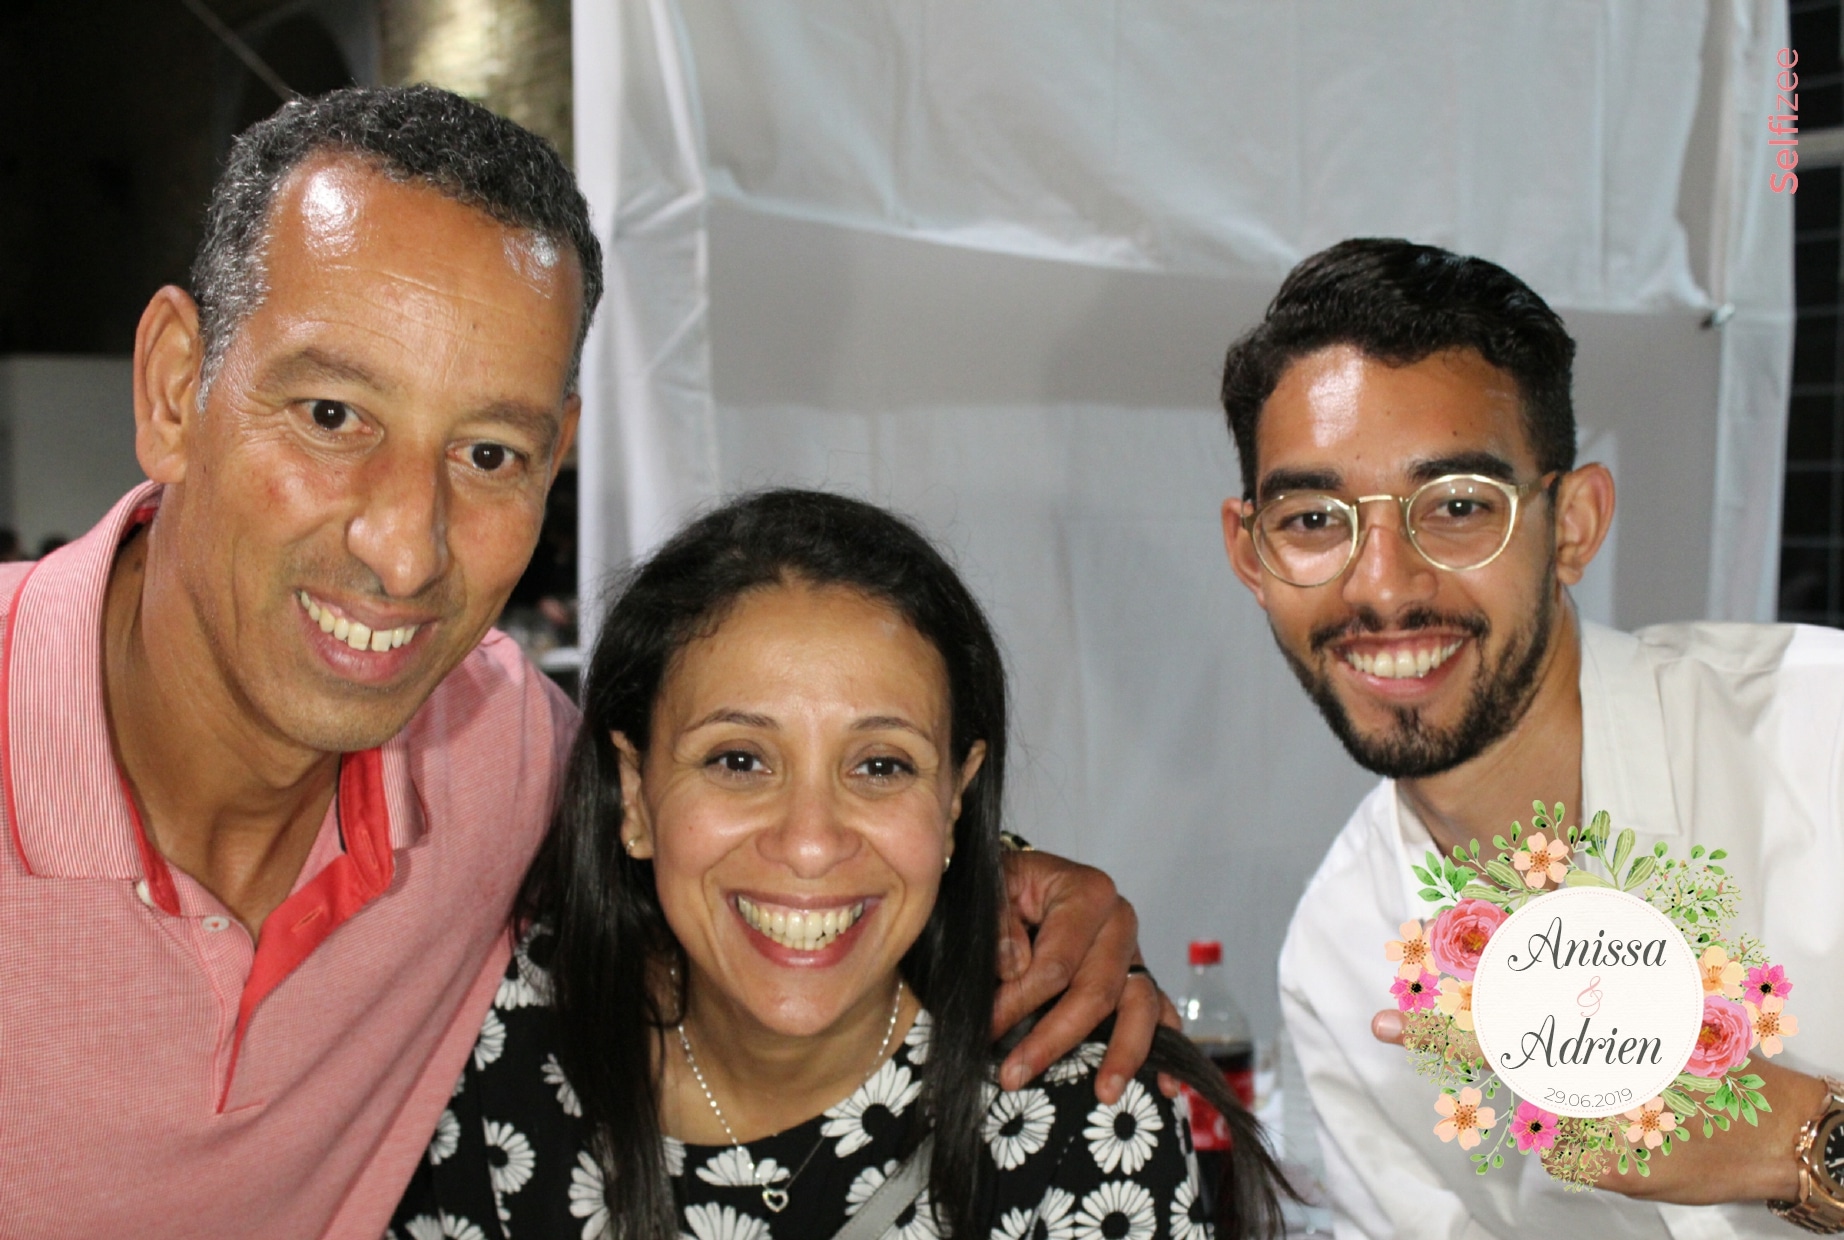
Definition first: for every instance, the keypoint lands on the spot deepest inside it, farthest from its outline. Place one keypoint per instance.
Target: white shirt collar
(1625, 768)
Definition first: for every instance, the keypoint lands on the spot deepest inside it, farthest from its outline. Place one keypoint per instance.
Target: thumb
(1386, 1026)
(1014, 947)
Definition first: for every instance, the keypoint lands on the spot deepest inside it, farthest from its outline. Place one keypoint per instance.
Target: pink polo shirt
(160, 1074)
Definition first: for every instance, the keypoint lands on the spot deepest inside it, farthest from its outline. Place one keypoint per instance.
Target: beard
(1413, 748)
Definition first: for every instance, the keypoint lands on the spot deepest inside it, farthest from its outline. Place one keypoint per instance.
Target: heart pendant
(775, 1199)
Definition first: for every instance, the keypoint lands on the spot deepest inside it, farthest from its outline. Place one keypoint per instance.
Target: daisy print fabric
(511, 1156)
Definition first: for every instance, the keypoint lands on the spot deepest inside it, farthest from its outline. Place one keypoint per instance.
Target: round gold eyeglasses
(1457, 522)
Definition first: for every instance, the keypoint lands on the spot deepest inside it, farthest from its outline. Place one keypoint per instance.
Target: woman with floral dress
(750, 997)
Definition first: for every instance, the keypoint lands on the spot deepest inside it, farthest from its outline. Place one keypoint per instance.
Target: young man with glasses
(1411, 517)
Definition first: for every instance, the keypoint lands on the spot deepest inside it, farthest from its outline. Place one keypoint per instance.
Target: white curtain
(980, 262)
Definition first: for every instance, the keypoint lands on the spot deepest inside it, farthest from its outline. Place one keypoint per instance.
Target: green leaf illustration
(1640, 871)
(1623, 848)
(1501, 870)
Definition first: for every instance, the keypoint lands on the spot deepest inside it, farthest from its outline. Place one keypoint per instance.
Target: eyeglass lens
(1457, 523)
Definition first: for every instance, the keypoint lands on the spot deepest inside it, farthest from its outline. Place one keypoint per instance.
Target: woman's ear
(976, 757)
(636, 825)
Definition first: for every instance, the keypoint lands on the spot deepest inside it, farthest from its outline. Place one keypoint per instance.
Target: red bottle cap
(1206, 951)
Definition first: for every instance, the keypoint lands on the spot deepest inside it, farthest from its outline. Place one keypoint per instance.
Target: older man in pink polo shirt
(269, 782)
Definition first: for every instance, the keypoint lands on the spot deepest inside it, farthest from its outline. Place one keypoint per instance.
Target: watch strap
(1816, 1210)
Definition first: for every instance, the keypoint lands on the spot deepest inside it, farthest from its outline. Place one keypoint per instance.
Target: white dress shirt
(1725, 735)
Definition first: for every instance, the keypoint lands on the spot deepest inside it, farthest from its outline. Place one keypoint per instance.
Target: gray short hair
(407, 133)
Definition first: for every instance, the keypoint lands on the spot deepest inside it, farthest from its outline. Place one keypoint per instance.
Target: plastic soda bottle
(1217, 1026)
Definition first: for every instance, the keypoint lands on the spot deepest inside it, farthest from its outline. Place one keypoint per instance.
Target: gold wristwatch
(1820, 1151)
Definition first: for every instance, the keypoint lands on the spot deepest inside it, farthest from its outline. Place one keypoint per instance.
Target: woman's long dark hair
(1247, 1203)
(611, 936)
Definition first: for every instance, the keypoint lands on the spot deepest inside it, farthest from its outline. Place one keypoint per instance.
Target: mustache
(1368, 620)
(441, 597)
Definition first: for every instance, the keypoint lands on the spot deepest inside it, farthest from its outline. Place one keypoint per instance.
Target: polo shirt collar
(65, 797)
(1625, 760)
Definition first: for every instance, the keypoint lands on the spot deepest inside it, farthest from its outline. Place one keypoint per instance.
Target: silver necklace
(776, 1199)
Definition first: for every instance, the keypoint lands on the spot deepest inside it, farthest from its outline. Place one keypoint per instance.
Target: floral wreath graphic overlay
(1744, 999)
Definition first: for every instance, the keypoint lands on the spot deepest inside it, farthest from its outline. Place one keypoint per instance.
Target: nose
(1388, 573)
(813, 835)
(401, 530)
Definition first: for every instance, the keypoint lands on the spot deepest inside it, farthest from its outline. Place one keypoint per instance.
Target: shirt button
(147, 897)
(214, 923)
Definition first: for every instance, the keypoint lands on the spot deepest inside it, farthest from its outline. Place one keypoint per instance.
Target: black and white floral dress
(509, 1160)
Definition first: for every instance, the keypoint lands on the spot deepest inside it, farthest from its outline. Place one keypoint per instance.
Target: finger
(1075, 904)
(1168, 1014)
(1134, 1022)
(1097, 979)
(1168, 1085)
(1024, 903)
(1014, 946)
(1386, 1026)
(1012, 1003)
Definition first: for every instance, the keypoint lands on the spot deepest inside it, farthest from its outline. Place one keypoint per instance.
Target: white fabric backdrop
(980, 262)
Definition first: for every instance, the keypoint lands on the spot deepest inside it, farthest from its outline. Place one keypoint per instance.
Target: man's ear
(1584, 512)
(167, 354)
(1240, 545)
(636, 824)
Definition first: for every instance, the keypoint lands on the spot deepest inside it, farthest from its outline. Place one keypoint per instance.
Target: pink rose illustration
(1459, 935)
(1724, 1040)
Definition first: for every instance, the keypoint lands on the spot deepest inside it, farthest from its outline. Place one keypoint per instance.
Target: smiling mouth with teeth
(356, 635)
(1403, 664)
(803, 930)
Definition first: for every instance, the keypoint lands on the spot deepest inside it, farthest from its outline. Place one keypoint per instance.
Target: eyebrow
(1488, 464)
(740, 717)
(311, 364)
(542, 425)
(748, 719)
(1299, 480)
(877, 723)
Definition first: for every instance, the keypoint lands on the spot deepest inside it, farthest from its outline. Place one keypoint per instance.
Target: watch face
(1832, 1151)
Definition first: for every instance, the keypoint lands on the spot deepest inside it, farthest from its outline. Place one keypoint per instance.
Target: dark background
(114, 117)
(1812, 517)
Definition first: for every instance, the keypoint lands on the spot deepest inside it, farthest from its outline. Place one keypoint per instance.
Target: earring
(630, 844)
(946, 862)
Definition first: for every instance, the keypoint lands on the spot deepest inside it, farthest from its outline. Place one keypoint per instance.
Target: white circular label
(1587, 1002)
